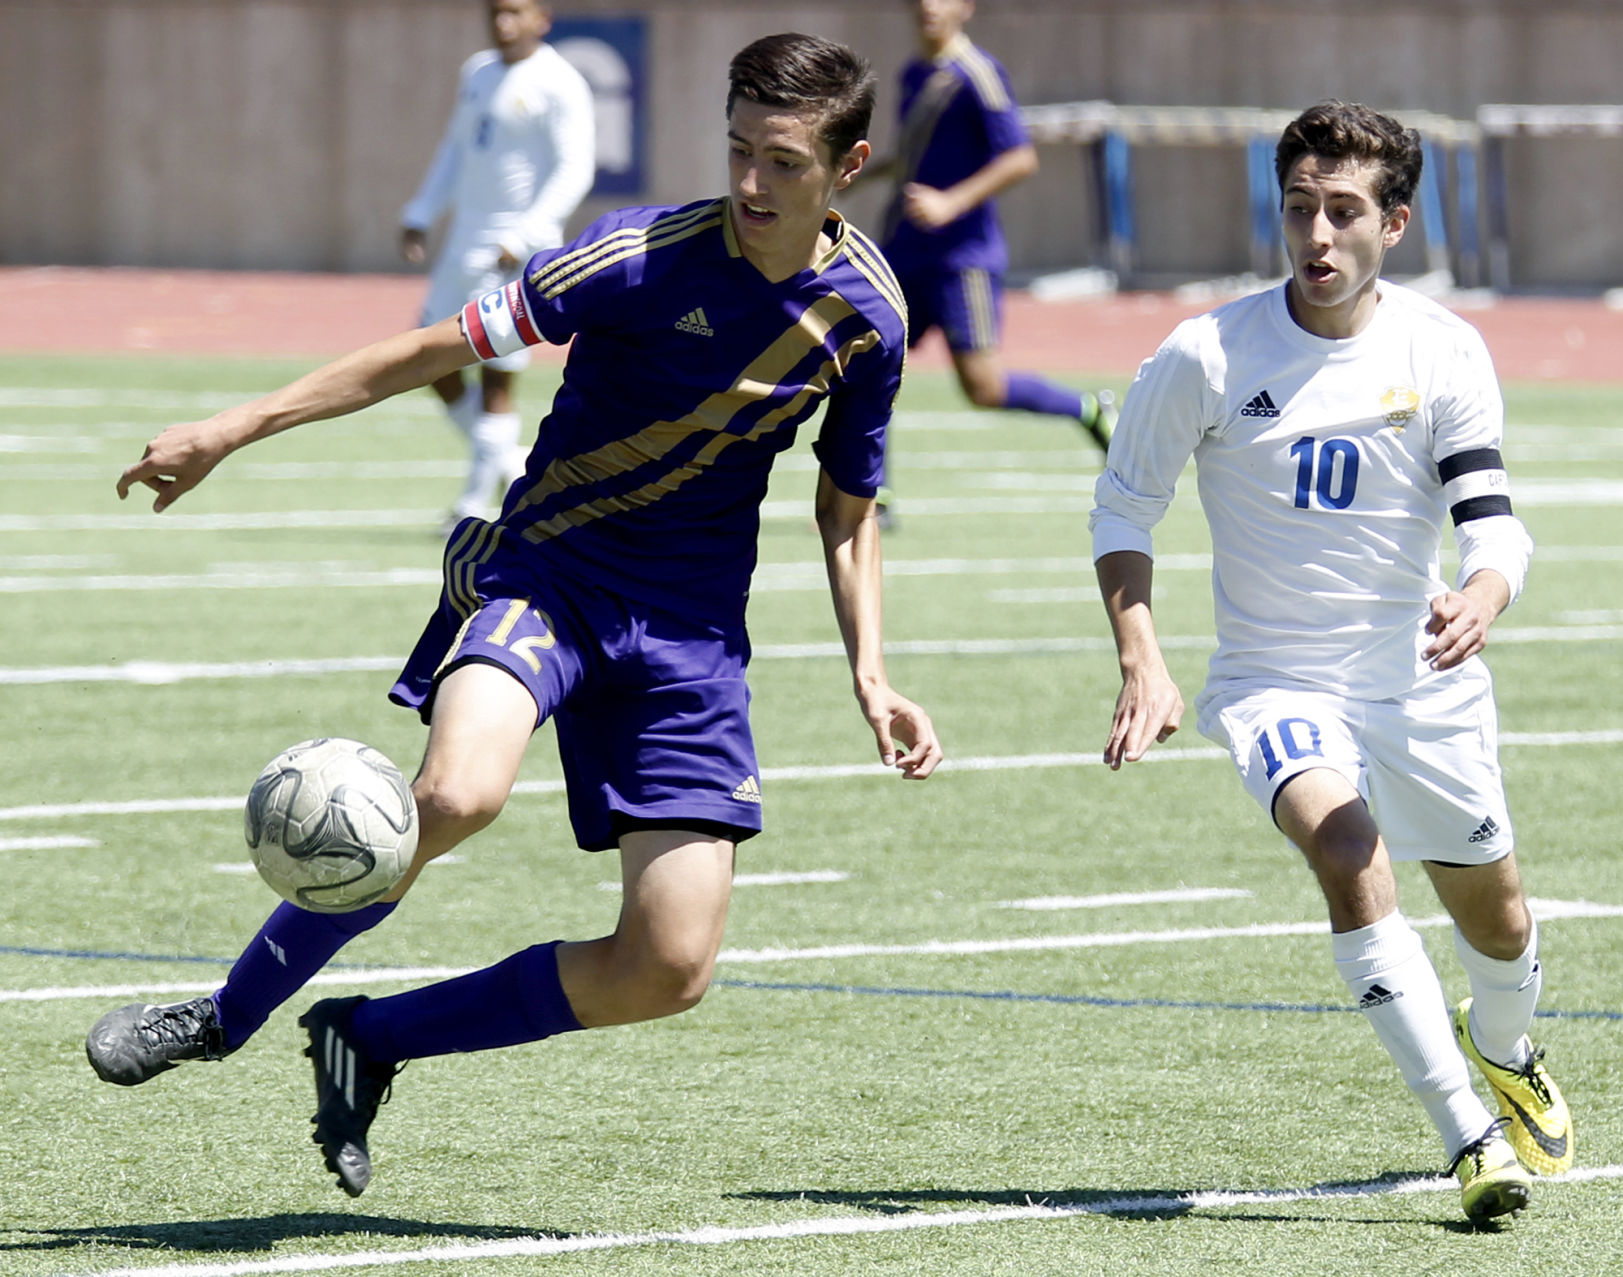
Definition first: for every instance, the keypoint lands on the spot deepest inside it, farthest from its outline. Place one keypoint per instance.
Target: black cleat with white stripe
(349, 1088)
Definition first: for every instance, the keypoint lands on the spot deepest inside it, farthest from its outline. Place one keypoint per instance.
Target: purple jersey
(690, 372)
(958, 113)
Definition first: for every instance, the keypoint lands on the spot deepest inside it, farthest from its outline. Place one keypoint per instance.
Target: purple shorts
(651, 709)
(967, 305)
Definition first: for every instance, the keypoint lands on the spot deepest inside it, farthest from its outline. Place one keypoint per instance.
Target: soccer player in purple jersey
(609, 595)
(961, 145)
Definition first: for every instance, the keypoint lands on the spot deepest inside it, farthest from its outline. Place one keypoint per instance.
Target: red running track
(126, 310)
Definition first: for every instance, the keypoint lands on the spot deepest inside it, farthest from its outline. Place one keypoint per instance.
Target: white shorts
(460, 277)
(1428, 765)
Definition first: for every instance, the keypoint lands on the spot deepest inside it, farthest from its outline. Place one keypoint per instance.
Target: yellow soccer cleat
(1492, 1181)
(1540, 1125)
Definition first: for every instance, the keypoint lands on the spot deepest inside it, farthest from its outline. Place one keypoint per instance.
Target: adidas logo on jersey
(695, 322)
(1486, 830)
(1378, 995)
(749, 791)
(1261, 405)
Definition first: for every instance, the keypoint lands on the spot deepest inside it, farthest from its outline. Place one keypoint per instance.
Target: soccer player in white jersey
(518, 156)
(1335, 423)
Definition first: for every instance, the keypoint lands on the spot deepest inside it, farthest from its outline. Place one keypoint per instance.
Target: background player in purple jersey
(961, 145)
(610, 593)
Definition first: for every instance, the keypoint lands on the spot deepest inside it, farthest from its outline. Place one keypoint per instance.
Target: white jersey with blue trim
(518, 156)
(1326, 469)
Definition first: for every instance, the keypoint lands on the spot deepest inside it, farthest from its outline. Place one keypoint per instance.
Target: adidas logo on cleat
(695, 322)
(749, 791)
(1377, 996)
(1486, 830)
(1261, 405)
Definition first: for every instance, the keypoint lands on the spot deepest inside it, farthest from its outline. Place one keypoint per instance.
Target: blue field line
(97, 955)
(1081, 999)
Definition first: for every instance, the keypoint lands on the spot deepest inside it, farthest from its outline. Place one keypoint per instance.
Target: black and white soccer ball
(331, 825)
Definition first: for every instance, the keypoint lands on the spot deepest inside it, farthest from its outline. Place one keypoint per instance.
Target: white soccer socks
(495, 442)
(464, 413)
(1504, 995)
(1395, 986)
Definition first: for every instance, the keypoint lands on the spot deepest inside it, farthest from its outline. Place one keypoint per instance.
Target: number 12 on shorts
(1289, 738)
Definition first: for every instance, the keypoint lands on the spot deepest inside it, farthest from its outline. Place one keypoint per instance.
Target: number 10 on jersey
(1327, 471)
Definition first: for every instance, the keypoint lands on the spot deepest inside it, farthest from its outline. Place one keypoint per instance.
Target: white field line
(770, 578)
(798, 510)
(764, 879)
(827, 771)
(458, 1253)
(49, 842)
(163, 672)
(1048, 463)
(1543, 910)
(1109, 901)
(143, 521)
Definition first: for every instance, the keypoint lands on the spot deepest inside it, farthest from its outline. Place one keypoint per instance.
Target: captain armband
(1488, 533)
(499, 323)
(1475, 484)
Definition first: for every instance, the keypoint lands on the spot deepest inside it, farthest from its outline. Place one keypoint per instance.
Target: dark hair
(1352, 131)
(802, 72)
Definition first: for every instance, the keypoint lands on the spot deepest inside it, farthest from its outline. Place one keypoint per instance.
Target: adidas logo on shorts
(749, 791)
(1486, 830)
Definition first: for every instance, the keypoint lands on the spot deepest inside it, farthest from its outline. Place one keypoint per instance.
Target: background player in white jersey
(517, 158)
(1335, 421)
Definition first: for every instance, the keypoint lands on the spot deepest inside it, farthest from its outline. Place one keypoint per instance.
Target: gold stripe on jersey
(755, 383)
(562, 273)
(983, 75)
(873, 267)
(655, 489)
(919, 126)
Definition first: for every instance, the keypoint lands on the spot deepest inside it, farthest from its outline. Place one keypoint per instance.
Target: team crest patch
(1399, 405)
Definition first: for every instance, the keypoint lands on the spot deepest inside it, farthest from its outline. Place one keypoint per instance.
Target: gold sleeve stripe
(652, 491)
(625, 235)
(983, 75)
(563, 272)
(757, 381)
(871, 263)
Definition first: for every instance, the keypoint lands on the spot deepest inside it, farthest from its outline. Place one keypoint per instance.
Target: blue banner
(609, 53)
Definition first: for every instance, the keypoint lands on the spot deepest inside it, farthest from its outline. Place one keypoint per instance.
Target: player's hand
(905, 734)
(507, 263)
(414, 245)
(926, 207)
(174, 463)
(1459, 628)
(1148, 711)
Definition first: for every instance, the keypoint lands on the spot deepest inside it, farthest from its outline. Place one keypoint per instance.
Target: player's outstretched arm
(182, 456)
(904, 732)
(1150, 707)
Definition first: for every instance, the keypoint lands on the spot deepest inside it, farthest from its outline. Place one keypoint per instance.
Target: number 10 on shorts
(1289, 738)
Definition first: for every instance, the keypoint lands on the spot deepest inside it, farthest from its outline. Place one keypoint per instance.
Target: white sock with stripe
(1394, 984)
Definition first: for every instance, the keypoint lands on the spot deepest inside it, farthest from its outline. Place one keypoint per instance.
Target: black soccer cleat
(349, 1088)
(140, 1041)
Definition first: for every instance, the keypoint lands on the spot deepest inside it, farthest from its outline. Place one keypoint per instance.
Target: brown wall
(286, 133)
